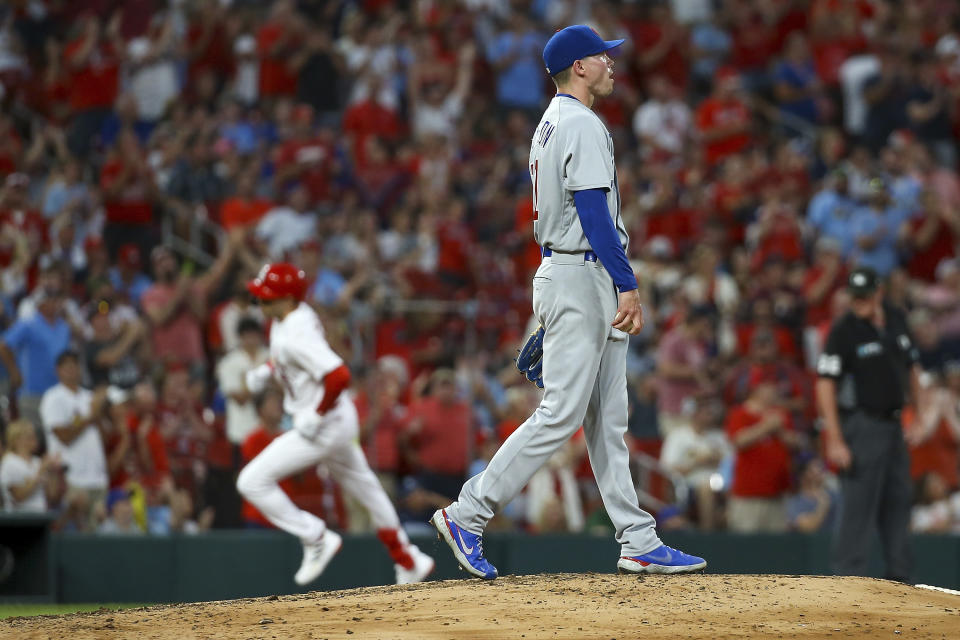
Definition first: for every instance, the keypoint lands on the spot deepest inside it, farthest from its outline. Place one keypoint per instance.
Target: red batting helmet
(277, 281)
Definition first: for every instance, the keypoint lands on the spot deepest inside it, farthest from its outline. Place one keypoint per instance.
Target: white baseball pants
(334, 446)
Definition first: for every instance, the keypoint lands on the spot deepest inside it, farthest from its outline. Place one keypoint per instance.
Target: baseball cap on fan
(574, 43)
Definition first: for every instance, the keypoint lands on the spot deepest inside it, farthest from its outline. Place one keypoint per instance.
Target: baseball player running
(583, 282)
(325, 429)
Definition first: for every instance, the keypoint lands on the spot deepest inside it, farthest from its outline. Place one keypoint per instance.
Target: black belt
(892, 414)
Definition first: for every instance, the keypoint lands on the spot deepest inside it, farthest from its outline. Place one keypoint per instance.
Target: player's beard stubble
(603, 87)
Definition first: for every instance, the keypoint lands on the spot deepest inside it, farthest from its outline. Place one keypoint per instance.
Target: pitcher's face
(599, 74)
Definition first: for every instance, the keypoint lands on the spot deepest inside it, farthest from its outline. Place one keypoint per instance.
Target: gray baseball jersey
(571, 151)
(584, 358)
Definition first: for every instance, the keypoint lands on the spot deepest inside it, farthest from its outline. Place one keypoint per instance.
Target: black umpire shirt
(871, 365)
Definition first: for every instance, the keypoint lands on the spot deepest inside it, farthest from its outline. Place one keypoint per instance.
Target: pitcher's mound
(704, 607)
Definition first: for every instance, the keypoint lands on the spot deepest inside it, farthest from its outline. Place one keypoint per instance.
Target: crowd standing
(765, 149)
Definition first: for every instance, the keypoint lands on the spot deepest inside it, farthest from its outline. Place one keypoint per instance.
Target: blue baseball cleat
(663, 559)
(467, 547)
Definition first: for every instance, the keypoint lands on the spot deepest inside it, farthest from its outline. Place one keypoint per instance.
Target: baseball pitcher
(585, 298)
(325, 429)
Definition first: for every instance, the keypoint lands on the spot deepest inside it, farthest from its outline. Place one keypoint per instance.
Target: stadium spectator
(660, 44)
(251, 353)
(52, 282)
(194, 186)
(932, 430)
(710, 46)
(225, 318)
(182, 519)
(383, 413)
(937, 509)
(904, 186)
(17, 211)
(70, 416)
(762, 435)
(93, 62)
(120, 516)
(436, 441)
(26, 480)
(664, 123)
(184, 428)
(148, 464)
(886, 93)
(284, 227)
(176, 305)
(111, 353)
(127, 277)
(813, 507)
(150, 71)
(116, 436)
(827, 275)
(319, 67)
(269, 408)
(515, 55)
(306, 157)
(796, 85)
(875, 229)
(245, 208)
(724, 118)
(434, 110)
(682, 367)
(278, 39)
(695, 452)
(30, 350)
(830, 211)
(928, 110)
(930, 236)
(129, 194)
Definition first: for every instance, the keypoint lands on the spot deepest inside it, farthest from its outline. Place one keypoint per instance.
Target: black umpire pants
(875, 492)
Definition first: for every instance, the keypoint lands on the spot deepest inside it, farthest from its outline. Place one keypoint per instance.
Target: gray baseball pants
(584, 378)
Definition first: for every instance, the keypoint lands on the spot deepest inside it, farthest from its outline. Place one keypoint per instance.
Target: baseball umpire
(865, 372)
(585, 298)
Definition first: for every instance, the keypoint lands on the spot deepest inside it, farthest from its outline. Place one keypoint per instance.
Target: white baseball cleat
(316, 557)
(423, 566)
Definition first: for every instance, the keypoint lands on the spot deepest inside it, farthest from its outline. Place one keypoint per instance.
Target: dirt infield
(698, 607)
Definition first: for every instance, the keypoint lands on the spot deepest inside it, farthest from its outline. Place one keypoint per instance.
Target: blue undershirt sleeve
(603, 237)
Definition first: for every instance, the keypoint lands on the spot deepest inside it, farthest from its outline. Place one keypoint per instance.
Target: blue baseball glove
(530, 360)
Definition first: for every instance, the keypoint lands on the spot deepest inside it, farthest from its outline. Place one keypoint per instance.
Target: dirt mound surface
(701, 607)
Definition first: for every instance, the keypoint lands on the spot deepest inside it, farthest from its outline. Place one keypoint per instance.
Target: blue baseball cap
(574, 43)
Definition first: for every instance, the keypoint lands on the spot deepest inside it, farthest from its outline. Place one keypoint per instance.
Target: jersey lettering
(578, 159)
(869, 349)
(546, 130)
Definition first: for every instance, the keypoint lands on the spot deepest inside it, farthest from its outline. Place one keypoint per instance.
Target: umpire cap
(574, 43)
(863, 281)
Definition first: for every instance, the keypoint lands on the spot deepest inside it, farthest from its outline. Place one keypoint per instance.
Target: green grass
(14, 610)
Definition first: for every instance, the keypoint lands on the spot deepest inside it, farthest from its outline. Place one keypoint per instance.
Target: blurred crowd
(155, 153)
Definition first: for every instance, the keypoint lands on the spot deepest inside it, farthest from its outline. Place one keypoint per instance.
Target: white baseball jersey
(571, 151)
(301, 359)
(84, 457)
